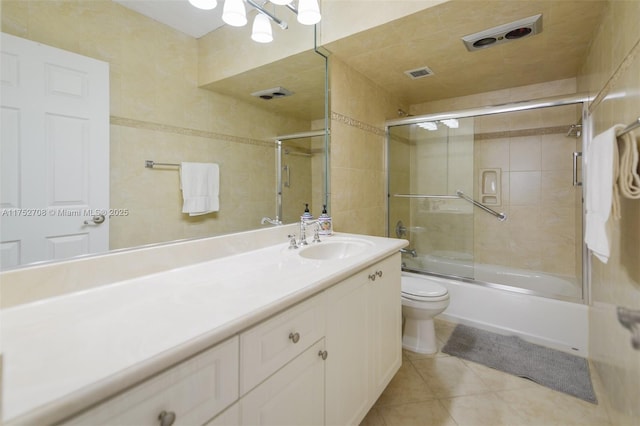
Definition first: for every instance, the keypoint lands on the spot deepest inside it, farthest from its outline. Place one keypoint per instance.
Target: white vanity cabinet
(324, 360)
(190, 393)
(364, 340)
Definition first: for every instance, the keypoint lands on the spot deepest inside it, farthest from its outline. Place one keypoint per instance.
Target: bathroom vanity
(257, 334)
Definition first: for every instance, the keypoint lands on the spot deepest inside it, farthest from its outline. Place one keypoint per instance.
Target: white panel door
(54, 151)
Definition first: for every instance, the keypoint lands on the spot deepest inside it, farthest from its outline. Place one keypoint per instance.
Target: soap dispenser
(306, 216)
(325, 222)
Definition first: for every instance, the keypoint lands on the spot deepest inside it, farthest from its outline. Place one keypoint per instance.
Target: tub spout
(410, 251)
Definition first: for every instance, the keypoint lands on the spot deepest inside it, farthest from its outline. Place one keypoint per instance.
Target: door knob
(95, 220)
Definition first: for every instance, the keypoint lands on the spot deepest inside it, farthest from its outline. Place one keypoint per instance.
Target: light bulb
(261, 31)
(204, 4)
(280, 2)
(234, 13)
(308, 12)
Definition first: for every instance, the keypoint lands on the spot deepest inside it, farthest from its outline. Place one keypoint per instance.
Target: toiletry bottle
(306, 216)
(325, 222)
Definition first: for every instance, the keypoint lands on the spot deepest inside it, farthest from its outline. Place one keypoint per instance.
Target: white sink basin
(340, 249)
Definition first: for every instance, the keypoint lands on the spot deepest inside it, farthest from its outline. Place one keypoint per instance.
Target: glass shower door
(430, 163)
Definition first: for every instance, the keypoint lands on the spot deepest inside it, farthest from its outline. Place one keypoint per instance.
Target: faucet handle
(292, 241)
(316, 234)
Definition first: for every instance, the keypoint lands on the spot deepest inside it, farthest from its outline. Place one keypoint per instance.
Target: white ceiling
(178, 14)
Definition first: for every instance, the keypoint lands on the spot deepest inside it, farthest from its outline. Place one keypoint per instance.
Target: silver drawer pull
(323, 355)
(379, 274)
(167, 418)
(295, 337)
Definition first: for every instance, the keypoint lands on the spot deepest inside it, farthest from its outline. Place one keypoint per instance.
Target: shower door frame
(278, 142)
(555, 101)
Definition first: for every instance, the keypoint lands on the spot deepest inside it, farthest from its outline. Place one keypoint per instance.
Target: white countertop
(63, 353)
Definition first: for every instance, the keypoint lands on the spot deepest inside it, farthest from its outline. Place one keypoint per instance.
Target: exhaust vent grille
(503, 33)
(419, 73)
(276, 92)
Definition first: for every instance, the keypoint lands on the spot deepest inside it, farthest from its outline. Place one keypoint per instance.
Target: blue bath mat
(548, 367)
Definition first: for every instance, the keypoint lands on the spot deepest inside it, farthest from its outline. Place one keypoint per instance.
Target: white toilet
(422, 299)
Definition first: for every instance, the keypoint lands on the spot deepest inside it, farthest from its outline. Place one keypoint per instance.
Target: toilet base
(419, 336)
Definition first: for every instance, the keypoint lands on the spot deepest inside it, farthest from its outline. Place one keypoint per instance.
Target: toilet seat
(423, 290)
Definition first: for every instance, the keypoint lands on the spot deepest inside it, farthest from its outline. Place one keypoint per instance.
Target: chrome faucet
(410, 251)
(274, 222)
(303, 232)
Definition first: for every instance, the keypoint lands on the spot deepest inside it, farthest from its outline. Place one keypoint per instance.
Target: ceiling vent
(276, 92)
(503, 33)
(419, 73)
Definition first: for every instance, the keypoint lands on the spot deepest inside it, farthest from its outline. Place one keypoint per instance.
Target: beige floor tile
(480, 410)
(449, 376)
(427, 413)
(405, 387)
(542, 406)
(373, 418)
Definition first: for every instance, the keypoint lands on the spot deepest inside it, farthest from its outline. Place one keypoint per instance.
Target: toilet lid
(421, 288)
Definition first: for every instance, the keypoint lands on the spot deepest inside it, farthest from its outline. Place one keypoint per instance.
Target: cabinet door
(385, 319)
(347, 395)
(292, 396)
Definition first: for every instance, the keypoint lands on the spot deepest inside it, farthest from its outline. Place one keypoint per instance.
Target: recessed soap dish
(490, 186)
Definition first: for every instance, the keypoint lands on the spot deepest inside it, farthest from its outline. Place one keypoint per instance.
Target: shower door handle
(575, 168)
(287, 169)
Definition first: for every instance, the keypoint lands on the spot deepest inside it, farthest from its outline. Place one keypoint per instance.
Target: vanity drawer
(270, 345)
(193, 391)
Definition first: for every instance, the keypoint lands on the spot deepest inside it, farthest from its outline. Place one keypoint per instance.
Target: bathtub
(552, 323)
(525, 281)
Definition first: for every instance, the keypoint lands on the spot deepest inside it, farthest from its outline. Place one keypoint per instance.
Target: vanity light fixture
(261, 31)
(234, 13)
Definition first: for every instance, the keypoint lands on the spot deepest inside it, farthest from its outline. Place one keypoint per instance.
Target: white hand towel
(601, 154)
(629, 181)
(200, 184)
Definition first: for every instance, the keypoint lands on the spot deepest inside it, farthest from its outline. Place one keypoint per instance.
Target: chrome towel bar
(150, 164)
(630, 127)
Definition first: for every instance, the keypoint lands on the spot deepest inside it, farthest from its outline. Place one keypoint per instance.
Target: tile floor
(443, 390)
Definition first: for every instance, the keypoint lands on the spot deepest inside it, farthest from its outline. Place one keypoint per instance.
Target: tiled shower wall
(534, 155)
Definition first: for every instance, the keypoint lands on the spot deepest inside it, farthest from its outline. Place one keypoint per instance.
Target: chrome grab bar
(459, 194)
(501, 216)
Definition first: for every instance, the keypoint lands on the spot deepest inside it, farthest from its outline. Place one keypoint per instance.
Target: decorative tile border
(357, 124)
(165, 128)
(613, 80)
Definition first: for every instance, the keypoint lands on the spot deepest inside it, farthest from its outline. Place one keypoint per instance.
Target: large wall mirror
(172, 98)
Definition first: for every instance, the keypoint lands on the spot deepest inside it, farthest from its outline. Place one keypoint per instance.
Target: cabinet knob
(379, 274)
(167, 418)
(295, 337)
(323, 354)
